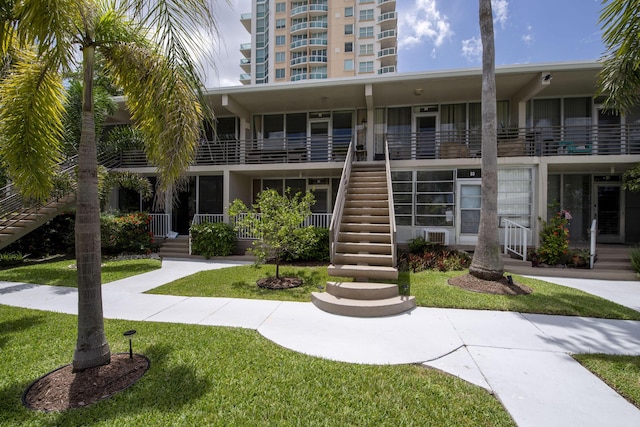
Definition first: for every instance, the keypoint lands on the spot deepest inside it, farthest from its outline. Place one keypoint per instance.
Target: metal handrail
(336, 219)
(515, 238)
(392, 214)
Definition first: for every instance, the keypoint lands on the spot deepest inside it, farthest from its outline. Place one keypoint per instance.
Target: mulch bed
(279, 283)
(63, 389)
(501, 287)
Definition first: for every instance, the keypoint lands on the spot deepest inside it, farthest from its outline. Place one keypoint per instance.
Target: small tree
(277, 220)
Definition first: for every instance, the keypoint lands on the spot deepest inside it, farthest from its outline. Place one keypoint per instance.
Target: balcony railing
(605, 140)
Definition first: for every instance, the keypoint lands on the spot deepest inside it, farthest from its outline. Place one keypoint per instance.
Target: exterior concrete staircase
(364, 250)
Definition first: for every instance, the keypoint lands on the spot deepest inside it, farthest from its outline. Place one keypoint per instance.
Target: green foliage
(419, 245)
(315, 251)
(108, 180)
(11, 259)
(631, 179)
(54, 237)
(635, 258)
(277, 220)
(554, 239)
(432, 257)
(212, 239)
(128, 233)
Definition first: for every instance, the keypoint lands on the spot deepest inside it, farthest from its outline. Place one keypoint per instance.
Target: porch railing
(392, 215)
(200, 218)
(160, 224)
(592, 246)
(516, 238)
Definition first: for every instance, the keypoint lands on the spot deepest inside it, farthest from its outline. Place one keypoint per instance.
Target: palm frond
(31, 95)
(162, 105)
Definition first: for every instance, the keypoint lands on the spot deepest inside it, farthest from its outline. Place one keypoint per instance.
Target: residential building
(298, 40)
(557, 149)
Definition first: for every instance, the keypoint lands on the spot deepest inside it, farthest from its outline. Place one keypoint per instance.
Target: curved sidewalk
(522, 358)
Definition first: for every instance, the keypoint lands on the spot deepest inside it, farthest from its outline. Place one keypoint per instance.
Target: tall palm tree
(620, 75)
(148, 48)
(487, 260)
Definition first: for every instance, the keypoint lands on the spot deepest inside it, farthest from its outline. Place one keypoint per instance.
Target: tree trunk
(487, 259)
(92, 348)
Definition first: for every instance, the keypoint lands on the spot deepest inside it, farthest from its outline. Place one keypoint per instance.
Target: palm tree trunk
(487, 260)
(92, 348)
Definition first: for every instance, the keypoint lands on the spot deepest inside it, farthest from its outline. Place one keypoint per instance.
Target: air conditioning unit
(436, 235)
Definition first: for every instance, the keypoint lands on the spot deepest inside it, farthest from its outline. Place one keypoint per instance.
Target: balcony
(299, 28)
(299, 44)
(300, 10)
(387, 5)
(388, 20)
(245, 19)
(318, 42)
(388, 39)
(318, 59)
(245, 64)
(571, 141)
(314, 25)
(301, 60)
(388, 69)
(245, 49)
(318, 9)
(245, 78)
(299, 77)
(317, 76)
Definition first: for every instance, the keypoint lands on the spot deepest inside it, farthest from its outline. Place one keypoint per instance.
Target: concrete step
(364, 259)
(601, 272)
(369, 228)
(359, 247)
(363, 290)
(364, 196)
(366, 219)
(365, 211)
(353, 237)
(366, 190)
(365, 272)
(362, 308)
(366, 204)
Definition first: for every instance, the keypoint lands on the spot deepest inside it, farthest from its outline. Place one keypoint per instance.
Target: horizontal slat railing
(529, 142)
(516, 238)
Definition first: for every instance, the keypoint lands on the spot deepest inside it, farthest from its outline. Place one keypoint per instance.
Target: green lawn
(429, 287)
(63, 273)
(622, 373)
(202, 375)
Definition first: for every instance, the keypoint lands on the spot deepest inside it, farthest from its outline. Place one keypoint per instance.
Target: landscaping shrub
(318, 250)
(11, 259)
(635, 258)
(128, 233)
(212, 239)
(56, 236)
(554, 239)
(423, 255)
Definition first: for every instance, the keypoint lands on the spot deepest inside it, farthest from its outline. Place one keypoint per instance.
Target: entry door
(319, 140)
(469, 203)
(425, 142)
(608, 211)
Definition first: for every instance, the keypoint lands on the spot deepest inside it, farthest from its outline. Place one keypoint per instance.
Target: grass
(240, 282)
(622, 373)
(63, 273)
(429, 287)
(203, 375)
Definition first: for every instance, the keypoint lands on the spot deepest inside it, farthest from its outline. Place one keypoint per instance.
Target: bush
(212, 239)
(419, 246)
(317, 251)
(554, 239)
(434, 258)
(11, 259)
(128, 233)
(635, 258)
(56, 236)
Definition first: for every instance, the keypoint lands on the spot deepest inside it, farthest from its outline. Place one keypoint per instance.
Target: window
(279, 73)
(434, 198)
(348, 11)
(366, 49)
(366, 15)
(348, 47)
(365, 67)
(280, 40)
(515, 195)
(348, 65)
(402, 184)
(281, 23)
(348, 29)
(281, 7)
(366, 32)
(280, 56)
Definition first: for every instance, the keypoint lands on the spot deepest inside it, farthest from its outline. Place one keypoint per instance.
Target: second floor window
(348, 65)
(366, 32)
(366, 49)
(365, 67)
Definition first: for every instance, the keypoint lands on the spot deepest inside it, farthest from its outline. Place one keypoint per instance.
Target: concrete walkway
(522, 358)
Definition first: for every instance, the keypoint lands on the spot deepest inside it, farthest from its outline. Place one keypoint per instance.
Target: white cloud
(472, 49)
(500, 11)
(422, 22)
(528, 37)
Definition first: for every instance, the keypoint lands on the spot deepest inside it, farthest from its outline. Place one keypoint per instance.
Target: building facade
(298, 40)
(557, 149)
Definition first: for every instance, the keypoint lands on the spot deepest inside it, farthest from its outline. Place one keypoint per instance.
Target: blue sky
(445, 34)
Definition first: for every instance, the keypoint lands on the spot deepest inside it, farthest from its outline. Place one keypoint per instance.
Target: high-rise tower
(318, 39)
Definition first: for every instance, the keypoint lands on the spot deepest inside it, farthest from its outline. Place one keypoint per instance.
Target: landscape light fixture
(130, 334)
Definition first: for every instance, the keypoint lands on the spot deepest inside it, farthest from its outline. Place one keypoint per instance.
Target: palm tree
(487, 259)
(620, 75)
(148, 48)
